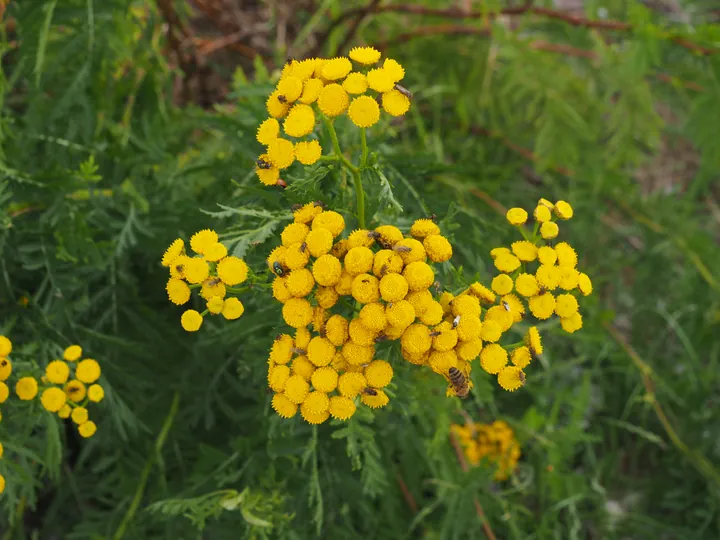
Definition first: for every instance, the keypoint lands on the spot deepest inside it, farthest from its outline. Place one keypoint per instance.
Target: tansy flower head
(336, 68)
(533, 341)
(275, 107)
(289, 88)
(268, 131)
(521, 357)
(6, 368)
(394, 70)
(364, 55)
(364, 111)
(196, 270)
(72, 353)
(4, 392)
(378, 374)
(215, 252)
(175, 250)
(571, 324)
(324, 379)
(525, 251)
(542, 213)
(502, 284)
(178, 291)
(355, 83)
(584, 284)
(75, 391)
(26, 388)
(266, 171)
(191, 320)
(376, 400)
(331, 221)
(232, 271)
(542, 305)
(96, 393)
(88, 371)
(516, 216)
(511, 378)
(53, 399)
(380, 80)
(79, 415)
(5, 346)
(549, 230)
(333, 100)
(232, 309)
(300, 121)
(395, 103)
(201, 240)
(311, 91)
(563, 210)
(438, 248)
(308, 152)
(566, 255)
(283, 406)
(87, 429)
(373, 317)
(341, 407)
(493, 358)
(281, 153)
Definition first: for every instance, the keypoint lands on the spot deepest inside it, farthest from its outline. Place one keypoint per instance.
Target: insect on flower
(506, 305)
(262, 164)
(369, 391)
(456, 321)
(278, 269)
(458, 382)
(280, 182)
(405, 92)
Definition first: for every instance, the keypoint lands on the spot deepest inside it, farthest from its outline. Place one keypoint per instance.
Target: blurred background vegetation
(126, 122)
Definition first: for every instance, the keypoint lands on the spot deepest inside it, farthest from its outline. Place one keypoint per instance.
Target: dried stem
(409, 499)
(478, 507)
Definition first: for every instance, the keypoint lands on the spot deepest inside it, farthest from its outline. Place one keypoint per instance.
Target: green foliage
(100, 170)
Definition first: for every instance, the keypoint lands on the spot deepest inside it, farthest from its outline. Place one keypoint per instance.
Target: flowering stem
(360, 198)
(336, 145)
(363, 139)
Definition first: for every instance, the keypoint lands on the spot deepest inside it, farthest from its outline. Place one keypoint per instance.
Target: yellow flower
(478, 290)
(88, 371)
(364, 55)
(52, 399)
(416, 253)
(542, 305)
(584, 284)
(527, 285)
(308, 152)
(336, 68)
(423, 228)
(283, 406)
(5, 369)
(201, 240)
(507, 263)
(502, 284)
(393, 69)
(400, 314)
(395, 103)
(357, 355)
(300, 121)
(563, 210)
(365, 288)
(419, 359)
(438, 248)
(304, 368)
(521, 357)
(320, 351)
(326, 270)
(387, 261)
(420, 300)
(490, 330)
(516, 216)
(324, 379)
(344, 285)
(364, 111)
(2, 483)
(96, 393)
(373, 317)
(267, 176)
(501, 316)
(26, 388)
(549, 230)
(389, 235)
(572, 323)
(311, 91)
(351, 384)
(326, 297)
(419, 275)
(304, 69)
(378, 374)
(178, 291)
(547, 277)
(277, 377)
(290, 88)
(191, 320)
(394, 287)
(311, 417)
(316, 402)
(196, 270)
(493, 358)
(212, 287)
(360, 334)
(75, 390)
(300, 282)
(360, 237)
(281, 153)
(513, 304)
(566, 255)
(441, 362)
(296, 256)
(533, 341)
(296, 389)
(79, 415)
(469, 328)
(377, 401)
(294, 232)
(568, 277)
(542, 213)
(330, 220)
(333, 100)
(465, 305)
(432, 315)
(275, 107)
(547, 255)
(359, 260)
(232, 270)
(336, 330)
(65, 411)
(446, 337)
(469, 350)
(232, 309)
(511, 378)
(416, 339)
(341, 407)
(175, 250)
(566, 305)
(215, 252)
(319, 242)
(87, 429)
(525, 251)
(355, 83)
(72, 353)
(268, 131)
(380, 80)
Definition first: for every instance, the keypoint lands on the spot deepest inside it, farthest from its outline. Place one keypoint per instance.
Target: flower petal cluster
(496, 443)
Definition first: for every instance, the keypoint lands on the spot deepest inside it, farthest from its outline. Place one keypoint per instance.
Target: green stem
(159, 442)
(360, 198)
(363, 139)
(336, 145)
(355, 171)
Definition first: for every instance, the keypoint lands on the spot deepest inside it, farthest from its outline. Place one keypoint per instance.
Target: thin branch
(407, 495)
(356, 24)
(454, 29)
(573, 20)
(478, 507)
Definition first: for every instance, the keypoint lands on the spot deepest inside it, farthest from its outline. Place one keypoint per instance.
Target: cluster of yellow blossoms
(496, 442)
(325, 85)
(212, 271)
(390, 288)
(69, 399)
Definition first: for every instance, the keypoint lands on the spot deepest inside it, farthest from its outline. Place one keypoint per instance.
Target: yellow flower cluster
(387, 274)
(496, 442)
(5, 371)
(331, 87)
(212, 271)
(68, 394)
